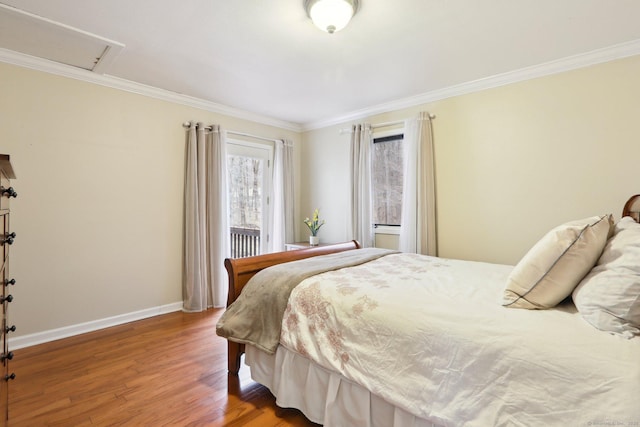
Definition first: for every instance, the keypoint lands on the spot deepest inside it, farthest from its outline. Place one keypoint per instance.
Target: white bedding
(430, 336)
(325, 397)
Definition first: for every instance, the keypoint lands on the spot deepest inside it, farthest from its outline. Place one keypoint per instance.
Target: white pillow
(554, 266)
(609, 296)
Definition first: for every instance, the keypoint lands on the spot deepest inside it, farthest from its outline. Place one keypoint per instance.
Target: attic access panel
(34, 35)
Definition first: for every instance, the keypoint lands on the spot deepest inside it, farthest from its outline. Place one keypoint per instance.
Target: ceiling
(267, 58)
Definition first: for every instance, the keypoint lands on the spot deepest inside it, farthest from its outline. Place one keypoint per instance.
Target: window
(249, 172)
(387, 174)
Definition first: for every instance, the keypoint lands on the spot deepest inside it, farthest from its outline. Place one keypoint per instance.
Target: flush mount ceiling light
(331, 15)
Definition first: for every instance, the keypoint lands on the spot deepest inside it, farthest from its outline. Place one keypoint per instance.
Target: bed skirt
(324, 397)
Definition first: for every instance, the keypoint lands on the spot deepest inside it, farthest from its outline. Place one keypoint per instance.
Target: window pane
(387, 181)
(245, 204)
(245, 195)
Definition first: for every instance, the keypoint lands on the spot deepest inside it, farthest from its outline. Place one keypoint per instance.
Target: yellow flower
(314, 224)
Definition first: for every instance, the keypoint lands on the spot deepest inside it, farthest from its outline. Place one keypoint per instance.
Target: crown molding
(594, 57)
(51, 67)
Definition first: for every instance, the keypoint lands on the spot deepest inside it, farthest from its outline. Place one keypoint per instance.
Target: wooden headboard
(632, 208)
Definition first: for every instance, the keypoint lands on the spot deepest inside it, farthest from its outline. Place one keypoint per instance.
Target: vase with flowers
(314, 225)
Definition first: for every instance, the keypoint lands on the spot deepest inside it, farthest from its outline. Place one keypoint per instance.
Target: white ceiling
(267, 58)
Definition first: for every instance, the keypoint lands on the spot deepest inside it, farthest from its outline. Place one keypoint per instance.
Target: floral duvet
(429, 335)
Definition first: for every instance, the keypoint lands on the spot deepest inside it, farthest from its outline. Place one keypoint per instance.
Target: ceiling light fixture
(331, 15)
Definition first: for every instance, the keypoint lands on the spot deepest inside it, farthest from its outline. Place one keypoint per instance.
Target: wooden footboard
(240, 270)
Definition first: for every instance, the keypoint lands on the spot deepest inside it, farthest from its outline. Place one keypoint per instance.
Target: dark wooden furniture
(240, 270)
(6, 239)
(632, 208)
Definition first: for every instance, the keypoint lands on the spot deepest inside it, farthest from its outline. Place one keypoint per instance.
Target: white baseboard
(81, 328)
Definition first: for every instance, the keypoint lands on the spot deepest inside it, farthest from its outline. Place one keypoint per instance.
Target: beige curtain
(206, 230)
(289, 192)
(282, 214)
(361, 188)
(418, 231)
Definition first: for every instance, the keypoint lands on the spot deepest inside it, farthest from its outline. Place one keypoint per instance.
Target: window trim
(387, 229)
(393, 137)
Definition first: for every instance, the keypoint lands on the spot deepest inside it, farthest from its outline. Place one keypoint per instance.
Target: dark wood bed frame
(240, 270)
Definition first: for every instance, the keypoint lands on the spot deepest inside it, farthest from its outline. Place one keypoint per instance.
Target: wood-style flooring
(169, 370)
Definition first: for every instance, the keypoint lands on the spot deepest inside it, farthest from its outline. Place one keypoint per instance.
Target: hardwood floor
(168, 370)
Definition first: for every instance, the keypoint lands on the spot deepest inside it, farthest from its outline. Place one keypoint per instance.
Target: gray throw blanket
(256, 316)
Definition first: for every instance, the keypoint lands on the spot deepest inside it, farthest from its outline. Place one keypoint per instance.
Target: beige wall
(511, 162)
(99, 212)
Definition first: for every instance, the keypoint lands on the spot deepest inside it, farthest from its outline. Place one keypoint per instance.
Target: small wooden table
(301, 245)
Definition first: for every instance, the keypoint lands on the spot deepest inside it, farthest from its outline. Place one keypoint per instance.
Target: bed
(370, 337)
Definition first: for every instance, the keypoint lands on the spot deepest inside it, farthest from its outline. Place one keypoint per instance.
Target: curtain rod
(188, 125)
(385, 124)
(248, 135)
